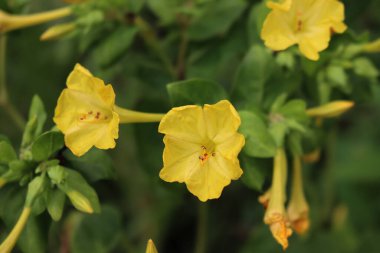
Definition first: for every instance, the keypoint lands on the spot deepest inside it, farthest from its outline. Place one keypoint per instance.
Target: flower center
(206, 152)
(299, 22)
(94, 117)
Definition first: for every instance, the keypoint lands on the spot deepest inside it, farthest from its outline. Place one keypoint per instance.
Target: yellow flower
(275, 215)
(87, 115)
(201, 147)
(284, 5)
(150, 247)
(298, 209)
(85, 112)
(307, 23)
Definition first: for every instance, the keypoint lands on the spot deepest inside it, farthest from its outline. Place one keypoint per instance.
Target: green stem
(9, 243)
(3, 87)
(129, 116)
(181, 66)
(201, 239)
(150, 38)
(4, 101)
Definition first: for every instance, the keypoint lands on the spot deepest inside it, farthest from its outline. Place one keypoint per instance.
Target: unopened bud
(330, 110)
(372, 47)
(80, 202)
(150, 247)
(57, 31)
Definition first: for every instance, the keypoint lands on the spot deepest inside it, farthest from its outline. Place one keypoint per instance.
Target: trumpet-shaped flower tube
(275, 215)
(12, 22)
(298, 209)
(87, 115)
(201, 147)
(307, 23)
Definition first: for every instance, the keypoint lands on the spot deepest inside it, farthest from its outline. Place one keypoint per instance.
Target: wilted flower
(275, 215)
(201, 147)
(298, 209)
(307, 23)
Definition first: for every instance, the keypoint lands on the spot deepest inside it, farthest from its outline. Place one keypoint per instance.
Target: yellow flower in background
(275, 215)
(85, 112)
(201, 147)
(150, 247)
(308, 23)
(284, 5)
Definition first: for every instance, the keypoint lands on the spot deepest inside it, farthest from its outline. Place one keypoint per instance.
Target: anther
(90, 112)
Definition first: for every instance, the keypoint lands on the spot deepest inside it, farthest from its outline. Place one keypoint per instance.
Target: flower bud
(330, 110)
(57, 31)
(372, 47)
(150, 247)
(80, 202)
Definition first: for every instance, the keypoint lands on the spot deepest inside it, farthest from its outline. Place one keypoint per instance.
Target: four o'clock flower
(308, 23)
(298, 209)
(275, 215)
(87, 115)
(150, 247)
(201, 147)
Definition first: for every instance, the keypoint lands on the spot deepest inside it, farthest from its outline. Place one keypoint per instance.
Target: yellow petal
(231, 147)
(222, 120)
(81, 79)
(284, 5)
(79, 140)
(185, 123)
(277, 31)
(180, 159)
(206, 182)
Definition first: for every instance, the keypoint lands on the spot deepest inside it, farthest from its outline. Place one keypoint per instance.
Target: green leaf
(215, 18)
(97, 233)
(252, 75)
(55, 200)
(47, 145)
(36, 121)
(195, 91)
(278, 130)
(256, 19)
(95, 165)
(7, 153)
(255, 171)
(364, 67)
(258, 141)
(35, 188)
(81, 194)
(294, 109)
(57, 174)
(114, 46)
(17, 170)
(166, 10)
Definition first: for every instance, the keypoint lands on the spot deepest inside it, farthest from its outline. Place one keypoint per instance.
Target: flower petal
(231, 147)
(180, 158)
(81, 79)
(185, 123)
(222, 120)
(206, 182)
(277, 31)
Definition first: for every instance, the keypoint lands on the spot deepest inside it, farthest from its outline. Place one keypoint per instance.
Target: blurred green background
(343, 189)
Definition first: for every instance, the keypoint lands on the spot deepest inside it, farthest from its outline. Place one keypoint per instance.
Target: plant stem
(13, 22)
(181, 65)
(4, 101)
(9, 243)
(129, 116)
(150, 38)
(201, 237)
